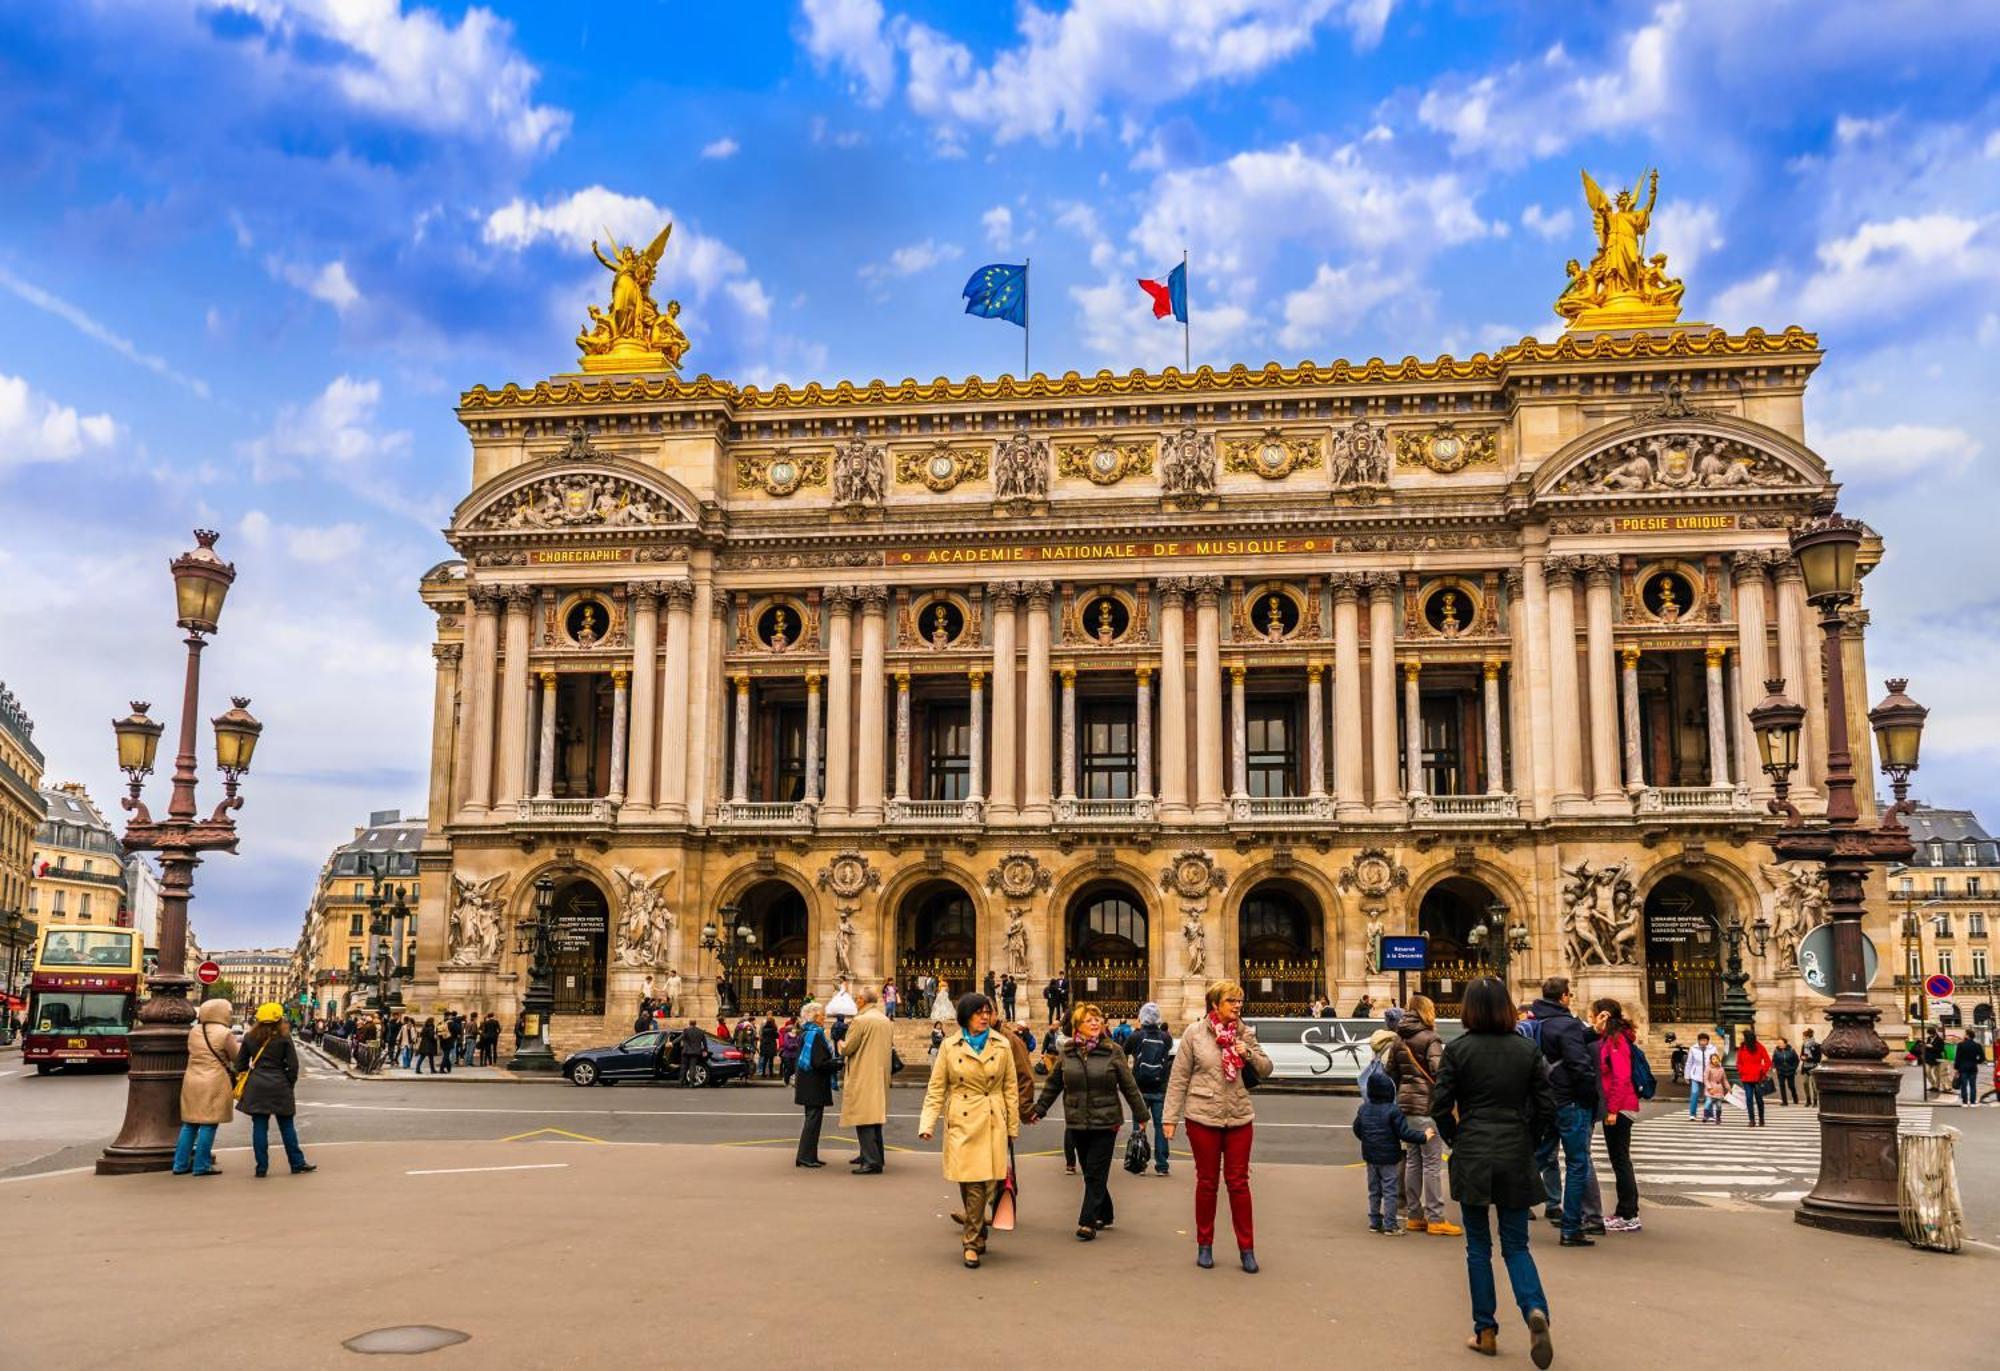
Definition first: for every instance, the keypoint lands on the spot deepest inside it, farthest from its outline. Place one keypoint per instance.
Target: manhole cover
(407, 1340)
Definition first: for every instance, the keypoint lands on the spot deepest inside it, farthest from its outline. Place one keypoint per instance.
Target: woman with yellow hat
(269, 1064)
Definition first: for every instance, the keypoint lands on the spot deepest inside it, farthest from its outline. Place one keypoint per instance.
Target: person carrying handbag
(207, 1089)
(268, 1072)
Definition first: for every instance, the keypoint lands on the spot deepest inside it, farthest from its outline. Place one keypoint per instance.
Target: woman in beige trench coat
(974, 1090)
(207, 1090)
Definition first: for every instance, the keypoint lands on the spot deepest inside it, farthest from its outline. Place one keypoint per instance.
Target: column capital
(1412, 669)
(1144, 674)
(1786, 566)
(447, 653)
(975, 677)
(1004, 594)
(1207, 590)
(1562, 570)
(1237, 671)
(677, 594)
(1491, 669)
(902, 680)
(1714, 656)
(620, 677)
(521, 597)
(838, 599)
(1347, 586)
(1599, 570)
(1038, 593)
(742, 680)
(1629, 655)
(548, 679)
(485, 599)
(1314, 672)
(812, 680)
(1173, 591)
(1754, 561)
(1513, 583)
(718, 604)
(1068, 675)
(1382, 586)
(874, 599)
(645, 594)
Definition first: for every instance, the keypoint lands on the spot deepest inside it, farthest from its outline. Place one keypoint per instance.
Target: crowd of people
(434, 1043)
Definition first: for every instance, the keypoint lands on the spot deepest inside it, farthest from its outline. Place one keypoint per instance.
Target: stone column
(480, 673)
(902, 737)
(1239, 737)
(1534, 741)
(839, 602)
(534, 731)
(445, 749)
(975, 784)
(675, 703)
(1496, 757)
(1207, 698)
(545, 769)
(1753, 660)
(1066, 740)
(1603, 657)
(621, 685)
(1382, 686)
(1348, 765)
(1799, 659)
(708, 710)
(645, 695)
(1718, 714)
(514, 778)
(1413, 726)
(1143, 712)
(872, 697)
(1565, 703)
(1635, 762)
(1173, 698)
(739, 757)
(1006, 755)
(812, 738)
(1315, 731)
(1035, 806)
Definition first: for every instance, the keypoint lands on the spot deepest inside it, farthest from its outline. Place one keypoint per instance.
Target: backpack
(1644, 1082)
(1531, 1029)
(1149, 1062)
(1374, 1068)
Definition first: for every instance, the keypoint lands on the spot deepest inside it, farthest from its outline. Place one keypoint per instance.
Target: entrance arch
(579, 945)
(1279, 955)
(1683, 919)
(1450, 910)
(1107, 939)
(771, 976)
(937, 934)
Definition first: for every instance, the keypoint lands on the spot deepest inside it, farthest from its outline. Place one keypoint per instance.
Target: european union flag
(999, 290)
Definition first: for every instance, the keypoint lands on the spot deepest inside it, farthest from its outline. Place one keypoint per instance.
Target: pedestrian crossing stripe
(1670, 1150)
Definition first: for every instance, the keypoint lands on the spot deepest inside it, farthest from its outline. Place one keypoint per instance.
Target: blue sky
(252, 249)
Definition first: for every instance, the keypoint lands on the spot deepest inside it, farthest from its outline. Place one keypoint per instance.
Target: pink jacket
(1614, 1070)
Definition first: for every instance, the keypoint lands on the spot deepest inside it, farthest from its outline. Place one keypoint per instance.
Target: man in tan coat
(864, 1092)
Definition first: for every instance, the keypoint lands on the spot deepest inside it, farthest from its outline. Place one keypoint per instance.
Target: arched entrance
(1683, 952)
(771, 974)
(578, 944)
(1107, 962)
(937, 934)
(1278, 949)
(1450, 910)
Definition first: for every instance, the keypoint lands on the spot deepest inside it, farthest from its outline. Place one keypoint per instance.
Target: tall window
(947, 752)
(788, 753)
(1937, 885)
(1975, 925)
(1979, 963)
(57, 903)
(1915, 972)
(360, 890)
(1941, 925)
(1969, 853)
(83, 905)
(1944, 960)
(1270, 731)
(1111, 925)
(1442, 769)
(1909, 884)
(1937, 853)
(1972, 886)
(1110, 750)
(354, 926)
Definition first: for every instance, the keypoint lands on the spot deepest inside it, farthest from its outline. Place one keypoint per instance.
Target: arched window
(1109, 923)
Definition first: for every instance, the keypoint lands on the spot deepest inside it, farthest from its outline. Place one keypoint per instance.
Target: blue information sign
(1405, 953)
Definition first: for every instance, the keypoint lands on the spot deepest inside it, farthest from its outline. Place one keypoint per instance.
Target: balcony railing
(1071, 810)
(579, 812)
(936, 811)
(1266, 808)
(1695, 800)
(1464, 808)
(766, 813)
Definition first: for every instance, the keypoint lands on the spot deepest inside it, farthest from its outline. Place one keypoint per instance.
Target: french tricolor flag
(1170, 296)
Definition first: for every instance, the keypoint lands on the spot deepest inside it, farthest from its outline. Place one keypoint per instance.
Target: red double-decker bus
(82, 994)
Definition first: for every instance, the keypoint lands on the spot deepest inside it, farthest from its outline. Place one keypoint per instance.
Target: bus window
(87, 947)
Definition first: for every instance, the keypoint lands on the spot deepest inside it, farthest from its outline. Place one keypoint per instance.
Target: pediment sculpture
(578, 500)
(1676, 461)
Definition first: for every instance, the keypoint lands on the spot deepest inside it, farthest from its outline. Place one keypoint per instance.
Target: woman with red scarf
(1208, 1089)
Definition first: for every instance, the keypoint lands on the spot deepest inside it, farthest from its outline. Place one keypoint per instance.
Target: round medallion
(942, 467)
(1272, 456)
(1445, 448)
(1104, 461)
(783, 472)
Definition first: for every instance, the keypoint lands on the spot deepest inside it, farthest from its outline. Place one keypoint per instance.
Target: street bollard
(1927, 1190)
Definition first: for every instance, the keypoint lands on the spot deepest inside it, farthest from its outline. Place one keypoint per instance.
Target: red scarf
(1086, 1046)
(1225, 1038)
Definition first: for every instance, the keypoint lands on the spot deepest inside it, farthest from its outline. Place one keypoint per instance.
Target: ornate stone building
(21, 814)
(1140, 678)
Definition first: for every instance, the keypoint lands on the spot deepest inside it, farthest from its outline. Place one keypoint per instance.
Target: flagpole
(1027, 304)
(1187, 343)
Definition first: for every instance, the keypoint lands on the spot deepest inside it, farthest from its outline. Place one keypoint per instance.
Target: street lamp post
(159, 1042)
(1737, 1010)
(1497, 940)
(531, 940)
(1857, 1187)
(1913, 971)
(727, 942)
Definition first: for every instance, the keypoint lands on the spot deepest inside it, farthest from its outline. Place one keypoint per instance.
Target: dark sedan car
(639, 1058)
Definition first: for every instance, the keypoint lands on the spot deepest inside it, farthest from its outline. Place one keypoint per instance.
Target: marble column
(1207, 697)
(1534, 740)
(1173, 698)
(739, 755)
(1143, 713)
(1315, 731)
(1635, 761)
(1239, 737)
(481, 672)
(1753, 660)
(444, 725)
(975, 781)
(812, 738)
(1718, 714)
(1066, 739)
(621, 702)
(1496, 757)
(902, 737)
(514, 774)
(839, 602)
(675, 703)
(534, 730)
(1382, 689)
(1006, 763)
(1602, 653)
(1036, 740)
(545, 770)
(645, 694)
(872, 695)
(1349, 765)
(1413, 726)
(1799, 660)
(1565, 702)
(708, 701)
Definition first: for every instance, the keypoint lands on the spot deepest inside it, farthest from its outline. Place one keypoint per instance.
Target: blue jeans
(260, 1141)
(1694, 1098)
(1157, 1106)
(1521, 1273)
(1968, 1086)
(194, 1149)
(1385, 1187)
(1573, 1129)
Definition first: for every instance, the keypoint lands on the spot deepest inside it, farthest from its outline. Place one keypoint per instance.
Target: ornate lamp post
(727, 943)
(388, 922)
(1737, 1010)
(159, 1043)
(531, 940)
(1856, 1191)
(1497, 940)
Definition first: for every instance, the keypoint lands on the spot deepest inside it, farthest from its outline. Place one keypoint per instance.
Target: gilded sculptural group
(1622, 286)
(634, 334)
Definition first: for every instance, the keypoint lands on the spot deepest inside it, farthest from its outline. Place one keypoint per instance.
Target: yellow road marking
(757, 1142)
(555, 1132)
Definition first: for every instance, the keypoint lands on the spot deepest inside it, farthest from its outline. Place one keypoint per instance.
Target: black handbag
(1138, 1151)
(896, 1062)
(1251, 1080)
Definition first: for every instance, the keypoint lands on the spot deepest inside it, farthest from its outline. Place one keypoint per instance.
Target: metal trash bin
(1927, 1189)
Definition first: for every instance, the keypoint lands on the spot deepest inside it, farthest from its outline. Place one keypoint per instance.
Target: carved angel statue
(1195, 935)
(642, 933)
(1187, 463)
(1017, 942)
(1800, 906)
(474, 919)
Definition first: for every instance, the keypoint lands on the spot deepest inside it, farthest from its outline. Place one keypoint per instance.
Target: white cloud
(721, 149)
(1753, 302)
(328, 283)
(86, 323)
(1117, 324)
(692, 259)
(311, 544)
(1993, 144)
(335, 429)
(34, 428)
(1686, 231)
(1850, 129)
(1882, 264)
(1551, 226)
(848, 34)
(1336, 300)
(1896, 450)
(999, 225)
(911, 259)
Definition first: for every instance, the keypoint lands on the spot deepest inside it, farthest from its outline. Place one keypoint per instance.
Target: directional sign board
(1400, 953)
(208, 973)
(1939, 987)
(1816, 961)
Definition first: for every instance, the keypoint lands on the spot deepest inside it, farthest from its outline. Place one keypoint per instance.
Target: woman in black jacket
(1091, 1073)
(812, 1081)
(1493, 1103)
(272, 1062)
(427, 1047)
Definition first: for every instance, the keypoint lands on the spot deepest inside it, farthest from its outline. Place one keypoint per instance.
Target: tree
(223, 989)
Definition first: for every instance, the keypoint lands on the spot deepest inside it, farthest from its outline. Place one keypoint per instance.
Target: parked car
(639, 1058)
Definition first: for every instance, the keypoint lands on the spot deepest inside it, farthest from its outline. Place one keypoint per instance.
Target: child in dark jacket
(1383, 1130)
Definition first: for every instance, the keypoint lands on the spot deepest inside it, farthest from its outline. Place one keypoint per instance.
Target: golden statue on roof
(634, 335)
(1622, 287)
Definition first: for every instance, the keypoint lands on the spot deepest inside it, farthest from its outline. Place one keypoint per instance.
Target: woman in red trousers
(1207, 1089)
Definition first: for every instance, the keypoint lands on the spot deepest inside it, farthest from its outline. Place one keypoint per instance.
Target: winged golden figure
(634, 334)
(1621, 287)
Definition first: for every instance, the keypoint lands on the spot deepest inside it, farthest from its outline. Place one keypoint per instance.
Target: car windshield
(645, 1042)
(80, 1013)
